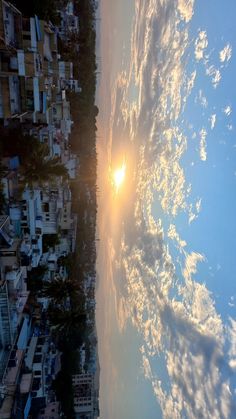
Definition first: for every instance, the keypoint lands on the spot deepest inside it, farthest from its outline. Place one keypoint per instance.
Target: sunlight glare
(119, 176)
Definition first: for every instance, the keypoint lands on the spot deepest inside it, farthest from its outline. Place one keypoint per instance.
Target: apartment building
(85, 396)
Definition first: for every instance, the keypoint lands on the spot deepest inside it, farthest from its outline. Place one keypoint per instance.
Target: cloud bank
(173, 311)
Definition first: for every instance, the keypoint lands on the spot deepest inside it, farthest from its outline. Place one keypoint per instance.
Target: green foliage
(14, 143)
(59, 290)
(68, 324)
(50, 240)
(36, 168)
(67, 262)
(35, 279)
(84, 113)
(38, 272)
(64, 381)
(3, 201)
(44, 9)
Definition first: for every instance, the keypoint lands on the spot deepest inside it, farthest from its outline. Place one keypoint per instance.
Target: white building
(85, 396)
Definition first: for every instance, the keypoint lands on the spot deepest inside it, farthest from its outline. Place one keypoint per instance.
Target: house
(10, 382)
(69, 22)
(51, 411)
(10, 27)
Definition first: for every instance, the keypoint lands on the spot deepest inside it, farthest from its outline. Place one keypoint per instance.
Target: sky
(166, 295)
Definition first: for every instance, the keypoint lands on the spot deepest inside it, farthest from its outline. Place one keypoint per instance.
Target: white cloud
(201, 44)
(172, 234)
(203, 153)
(215, 75)
(212, 120)
(146, 367)
(198, 205)
(191, 262)
(185, 8)
(232, 340)
(202, 99)
(194, 210)
(191, 82)
(226, 53)
(227, 110)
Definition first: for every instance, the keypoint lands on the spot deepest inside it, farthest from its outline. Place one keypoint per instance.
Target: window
(46, 207)
(26, 36)
(37, 372)
(37, 359)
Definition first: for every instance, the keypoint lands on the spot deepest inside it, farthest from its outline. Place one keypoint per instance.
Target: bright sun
(119, 176)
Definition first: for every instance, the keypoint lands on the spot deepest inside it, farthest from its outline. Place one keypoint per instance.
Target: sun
(119, 176)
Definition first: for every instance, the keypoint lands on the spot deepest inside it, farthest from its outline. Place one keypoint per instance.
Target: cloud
(146, 367)
(227, 110)
(198, 205)
(226, 53)
(232, 342)
(194, 355)
(212, 120)
(202, 99)
(174, 315)
(201, 44)
(202, 150)
(173, 235)
(191, 82)
(191, 262)
(186, 327)
(185, 8)
(158, 43)
(215, 75)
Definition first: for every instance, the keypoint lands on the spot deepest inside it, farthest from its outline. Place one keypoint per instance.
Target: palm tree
(67, 324)
(38, 168)
(59, 290)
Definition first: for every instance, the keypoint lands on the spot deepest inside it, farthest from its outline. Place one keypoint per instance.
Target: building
(69, 22)
(51, 411)
(85, 396)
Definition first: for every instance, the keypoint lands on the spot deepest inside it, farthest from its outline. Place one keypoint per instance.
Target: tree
(39, 169)
(35, 278)
(67, 324)
(59, 290)
(36, 167)
(3, 202)
(50, 240)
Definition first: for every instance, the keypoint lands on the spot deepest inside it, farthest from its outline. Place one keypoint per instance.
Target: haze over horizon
(166, 315)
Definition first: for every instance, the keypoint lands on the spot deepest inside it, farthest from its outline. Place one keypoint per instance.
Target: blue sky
(166, 258)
